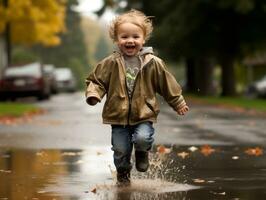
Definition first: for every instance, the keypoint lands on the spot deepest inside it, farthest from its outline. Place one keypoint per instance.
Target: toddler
(130, 78)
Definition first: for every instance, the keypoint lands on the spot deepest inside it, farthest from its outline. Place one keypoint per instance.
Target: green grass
(16, 109)
(254, 104)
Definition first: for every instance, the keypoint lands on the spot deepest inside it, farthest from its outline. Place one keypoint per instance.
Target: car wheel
(43, 96)
(3, 98)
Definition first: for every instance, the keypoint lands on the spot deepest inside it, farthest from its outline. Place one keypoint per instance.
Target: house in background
(256, 67)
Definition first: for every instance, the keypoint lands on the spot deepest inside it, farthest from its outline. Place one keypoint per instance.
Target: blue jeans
(123, 139)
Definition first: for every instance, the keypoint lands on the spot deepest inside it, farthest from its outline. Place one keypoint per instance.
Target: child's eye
(124, 37)
(136, 36)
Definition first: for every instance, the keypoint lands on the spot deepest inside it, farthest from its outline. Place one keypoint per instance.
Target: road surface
(210, 153)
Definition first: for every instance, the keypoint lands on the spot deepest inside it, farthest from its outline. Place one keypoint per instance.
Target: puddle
(149, 186)
(176, 172)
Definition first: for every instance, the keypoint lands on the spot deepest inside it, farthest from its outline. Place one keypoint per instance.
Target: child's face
(130, 38)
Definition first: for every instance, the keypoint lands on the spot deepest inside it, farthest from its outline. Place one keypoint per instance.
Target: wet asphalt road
(65, 154)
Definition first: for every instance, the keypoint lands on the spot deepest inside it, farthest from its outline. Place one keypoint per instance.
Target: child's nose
(130, 39)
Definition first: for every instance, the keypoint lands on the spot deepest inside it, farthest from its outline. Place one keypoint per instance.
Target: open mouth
(130, 47)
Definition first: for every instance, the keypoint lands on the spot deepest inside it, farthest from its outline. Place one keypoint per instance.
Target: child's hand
(92, 101)
(182, 110)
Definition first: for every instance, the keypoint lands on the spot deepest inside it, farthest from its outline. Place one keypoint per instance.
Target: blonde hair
(135, 17)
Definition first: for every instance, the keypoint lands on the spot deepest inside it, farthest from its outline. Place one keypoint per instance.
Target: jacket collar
(146, 55)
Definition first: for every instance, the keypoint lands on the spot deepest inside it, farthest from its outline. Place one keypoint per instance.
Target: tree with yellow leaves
(32, 22)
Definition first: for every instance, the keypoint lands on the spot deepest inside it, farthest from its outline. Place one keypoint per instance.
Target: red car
(24, 80)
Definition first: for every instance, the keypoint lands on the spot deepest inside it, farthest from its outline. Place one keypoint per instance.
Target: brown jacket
(108, 77)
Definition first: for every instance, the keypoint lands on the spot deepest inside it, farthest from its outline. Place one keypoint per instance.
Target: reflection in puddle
(139, 187)
(177, 172)
(150, 186)
(145, 189)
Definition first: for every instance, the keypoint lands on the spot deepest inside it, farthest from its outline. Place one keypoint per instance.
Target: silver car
(65, 80)
(50, 72)
(258, 88)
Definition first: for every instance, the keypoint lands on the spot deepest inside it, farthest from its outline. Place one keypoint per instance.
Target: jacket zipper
(129, 105)
(130, 98)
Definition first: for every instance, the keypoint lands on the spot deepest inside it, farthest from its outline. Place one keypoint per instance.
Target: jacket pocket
(153, 105)
(115, 107)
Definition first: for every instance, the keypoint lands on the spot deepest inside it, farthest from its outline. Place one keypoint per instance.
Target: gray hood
(146, 50)
(143, 51)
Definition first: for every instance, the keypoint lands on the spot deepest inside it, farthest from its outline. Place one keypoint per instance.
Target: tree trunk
(8, 44)
(205, 77)
(7, 36)
(228, 77)
(191, 85)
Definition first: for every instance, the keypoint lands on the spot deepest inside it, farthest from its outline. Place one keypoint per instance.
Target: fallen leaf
(218, 193)
(8, 120)
(254, 151)
(26, 118)
(183, 154)
(235, 157)
(192, 149)
(197, 180)
(163, 150)
(69, 154)
(94, 190)
(206, 150)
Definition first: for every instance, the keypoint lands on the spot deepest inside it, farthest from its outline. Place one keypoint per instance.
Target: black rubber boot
(142, 160)
(123, 178)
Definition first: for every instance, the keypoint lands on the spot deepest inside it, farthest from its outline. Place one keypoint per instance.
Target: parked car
(66, 81)
(50, 72)
(25, 80)
(258, 88)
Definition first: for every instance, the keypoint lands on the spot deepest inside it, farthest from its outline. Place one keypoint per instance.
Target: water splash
(165, 167)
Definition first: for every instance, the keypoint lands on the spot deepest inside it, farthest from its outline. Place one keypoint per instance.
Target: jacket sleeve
(168, 87)
(97, 82)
